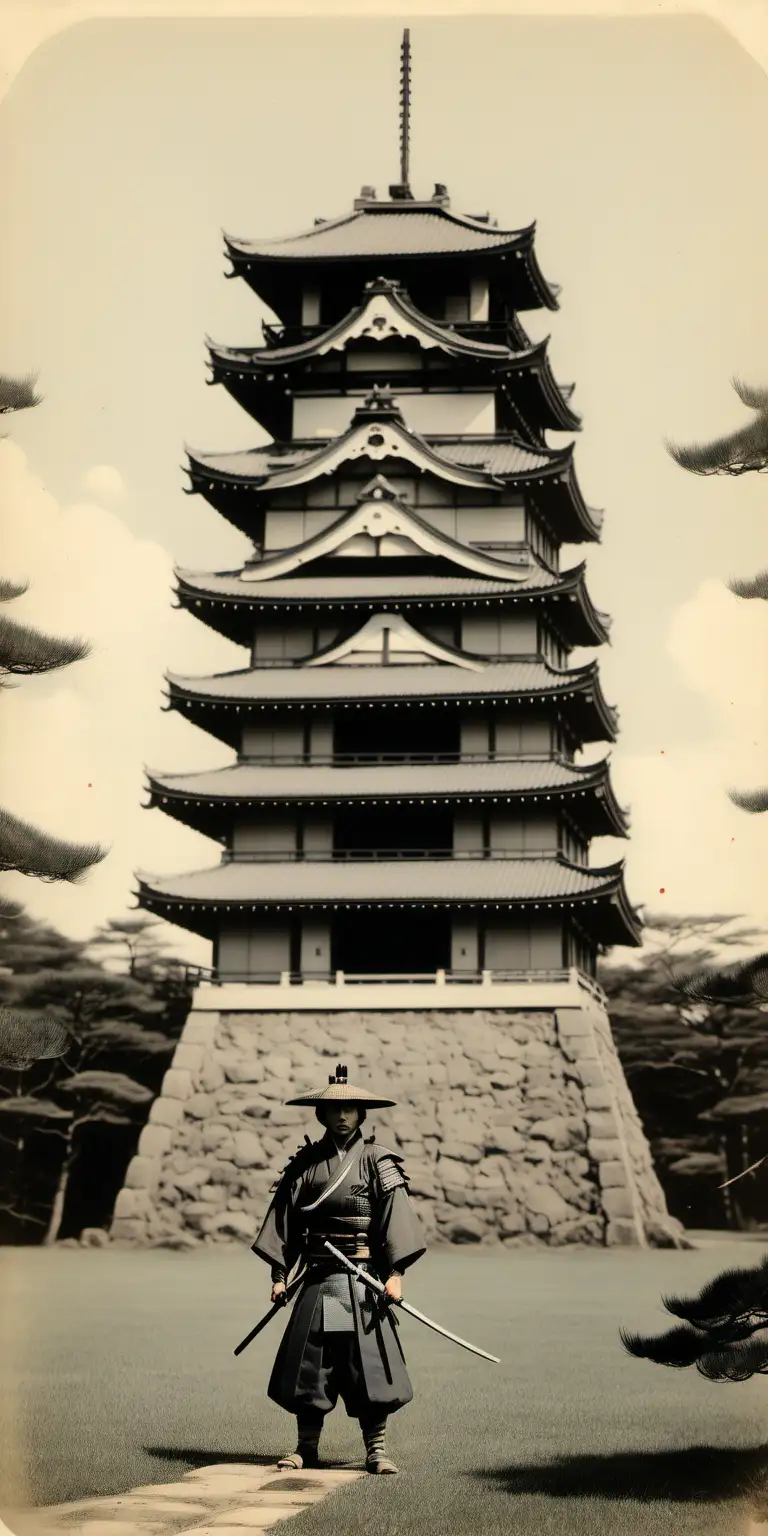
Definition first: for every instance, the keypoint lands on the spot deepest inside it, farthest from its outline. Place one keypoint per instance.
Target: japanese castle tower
(404, 879)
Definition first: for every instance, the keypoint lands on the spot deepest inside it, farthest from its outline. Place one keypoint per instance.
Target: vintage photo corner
(383, 781)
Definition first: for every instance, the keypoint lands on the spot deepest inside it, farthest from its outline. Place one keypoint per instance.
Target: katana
(376, 1285)
(289, 1291)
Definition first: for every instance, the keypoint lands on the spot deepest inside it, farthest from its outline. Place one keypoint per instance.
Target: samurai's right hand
(278, 1292)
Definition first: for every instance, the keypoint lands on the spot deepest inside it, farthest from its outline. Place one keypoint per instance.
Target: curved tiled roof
(505, 456)
(315, 781)
(322, 882)
(226, 601)
(357, 588)
(291, 684)
(386, 230)
(396, 297)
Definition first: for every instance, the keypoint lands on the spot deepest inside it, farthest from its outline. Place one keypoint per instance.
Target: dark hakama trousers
(323, 1358)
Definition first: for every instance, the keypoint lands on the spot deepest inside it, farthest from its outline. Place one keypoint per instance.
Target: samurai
(341, 1340)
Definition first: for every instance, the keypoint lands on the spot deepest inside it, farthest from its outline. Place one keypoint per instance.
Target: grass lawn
(116, 1369)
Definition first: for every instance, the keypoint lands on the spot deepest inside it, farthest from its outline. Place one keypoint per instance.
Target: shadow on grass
(193, 1459)
(698, 1474)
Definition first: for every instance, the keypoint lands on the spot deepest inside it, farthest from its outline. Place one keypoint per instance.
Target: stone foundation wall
(516, 1127)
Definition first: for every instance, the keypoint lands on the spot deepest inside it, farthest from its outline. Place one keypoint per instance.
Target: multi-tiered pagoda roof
(408, 721)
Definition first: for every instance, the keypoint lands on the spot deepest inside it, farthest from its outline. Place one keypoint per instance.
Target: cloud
(720, 643)
(104, 482)
(80, 737)
(691, 850)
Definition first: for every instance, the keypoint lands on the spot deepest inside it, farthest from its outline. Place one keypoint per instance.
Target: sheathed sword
(277, 1306)
(376, 1285)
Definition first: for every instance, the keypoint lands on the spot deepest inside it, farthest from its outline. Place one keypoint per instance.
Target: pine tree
(26, 651)
(737, 453)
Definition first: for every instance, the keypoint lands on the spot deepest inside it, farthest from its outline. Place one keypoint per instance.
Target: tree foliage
(735, 453)
(23, 849)
(692, 1041)
(28, 851)
(67, 1139)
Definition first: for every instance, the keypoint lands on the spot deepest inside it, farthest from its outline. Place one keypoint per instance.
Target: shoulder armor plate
(389, 1167)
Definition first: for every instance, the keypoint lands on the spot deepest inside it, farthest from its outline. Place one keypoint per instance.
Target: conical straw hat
(339, 1091)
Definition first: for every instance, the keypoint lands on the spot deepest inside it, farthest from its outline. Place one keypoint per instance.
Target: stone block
(508, 1049)
(124, 1230)
(216, 1136)
(504, 1138)
(450, 1170)
(214, 1195)
(507, 1077)
(571, 1021)
(234, 1224)
(187, 1057)
(586, 1229)
(618, 1203)
(211, 1076)
(612, 1175)
(601, 1124)
(154, 1140)
(542, 1200)
(536, 1053)
(581, 1048)
(279, 1066)
(238, 1069)
(281, 1115)
(200, 1106)
(623, 1234)
(177, 1084)
(190, 1180)
(605, 1151)
(248, 1151)
(465, 1229)
(538, 1223)
(461, 1151)
(131, 1203)
(590, 1073)
(166, 1112)
(598, 1098)
(142, 1173)
(200, 1029)
(511, 1222)
(423, 1185)
(560, 1132)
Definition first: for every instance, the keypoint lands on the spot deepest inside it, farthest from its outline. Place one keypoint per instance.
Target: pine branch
(18, 394)
(25, 1039)
(754, 398)
(735, 453)
(11, 589)
(755, 801)
(24, 650)
(26, 850)
(742, 985)
(756, 587)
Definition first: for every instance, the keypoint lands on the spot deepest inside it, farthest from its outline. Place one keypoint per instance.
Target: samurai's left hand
(394, 1288)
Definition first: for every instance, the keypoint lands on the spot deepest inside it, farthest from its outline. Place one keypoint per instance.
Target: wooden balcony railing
(374, 759)
(367, 855)
(448, 978)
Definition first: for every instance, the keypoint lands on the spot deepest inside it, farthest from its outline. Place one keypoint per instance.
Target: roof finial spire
(402, 188)
(405, 107)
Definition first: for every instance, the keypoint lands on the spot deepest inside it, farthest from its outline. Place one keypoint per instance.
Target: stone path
(225, 1500)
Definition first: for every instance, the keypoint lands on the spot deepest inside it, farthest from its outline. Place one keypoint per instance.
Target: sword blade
(376, 1285)
(268, 1316)
(454, 1337)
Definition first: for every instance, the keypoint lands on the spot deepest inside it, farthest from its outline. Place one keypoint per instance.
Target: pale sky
(125, 149)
